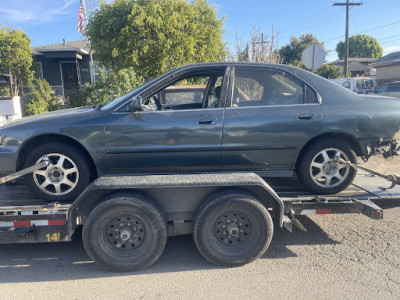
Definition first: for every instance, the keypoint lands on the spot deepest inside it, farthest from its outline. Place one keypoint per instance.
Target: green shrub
(40, 98)
(107, 88)
(5, 92)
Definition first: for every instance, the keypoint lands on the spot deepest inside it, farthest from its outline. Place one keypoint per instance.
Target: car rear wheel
(65, 177)
(321, 172)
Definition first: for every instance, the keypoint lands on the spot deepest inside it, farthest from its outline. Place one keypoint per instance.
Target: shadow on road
(68, 261)
(283, 238)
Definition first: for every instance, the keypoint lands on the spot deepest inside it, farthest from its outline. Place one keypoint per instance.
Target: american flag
(81, 25)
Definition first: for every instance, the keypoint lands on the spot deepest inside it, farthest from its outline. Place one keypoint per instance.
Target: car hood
(59, 114)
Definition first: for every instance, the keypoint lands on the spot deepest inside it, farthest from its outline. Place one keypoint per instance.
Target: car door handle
(305, 116)
(206, 122)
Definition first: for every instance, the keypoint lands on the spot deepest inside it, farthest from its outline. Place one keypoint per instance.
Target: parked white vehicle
(359, 85)
(391, 89)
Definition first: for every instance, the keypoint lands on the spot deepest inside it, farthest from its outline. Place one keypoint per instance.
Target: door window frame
(232, 85)
(179, 75)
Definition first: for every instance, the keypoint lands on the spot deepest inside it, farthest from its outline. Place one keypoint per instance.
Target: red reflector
(22, 223)
(323, 211)
(378, 214)
(57, 222)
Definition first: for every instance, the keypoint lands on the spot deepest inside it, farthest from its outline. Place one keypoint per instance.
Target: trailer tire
(232, 229)
(125, 233)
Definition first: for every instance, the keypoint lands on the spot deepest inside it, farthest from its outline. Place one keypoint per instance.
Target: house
(358, 66)
(66, 66)
(387, 68)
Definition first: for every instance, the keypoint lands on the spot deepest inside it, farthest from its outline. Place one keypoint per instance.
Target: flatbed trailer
(127, 219)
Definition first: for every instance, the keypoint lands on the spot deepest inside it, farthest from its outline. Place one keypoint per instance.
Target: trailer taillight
(323, 211)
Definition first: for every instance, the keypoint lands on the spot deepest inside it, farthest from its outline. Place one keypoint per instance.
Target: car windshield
(117, 102)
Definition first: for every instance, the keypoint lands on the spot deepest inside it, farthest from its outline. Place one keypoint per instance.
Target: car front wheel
(320, 169)
(66, 175)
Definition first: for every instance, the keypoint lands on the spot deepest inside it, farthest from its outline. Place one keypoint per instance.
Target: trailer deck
(364, 187)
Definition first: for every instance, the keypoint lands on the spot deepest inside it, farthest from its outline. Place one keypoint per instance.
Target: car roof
(226, 64)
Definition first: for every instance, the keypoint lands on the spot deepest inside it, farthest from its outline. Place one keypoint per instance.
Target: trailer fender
(175, 194)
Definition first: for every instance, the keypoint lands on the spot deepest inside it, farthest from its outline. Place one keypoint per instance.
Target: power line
(306, 20)
(371, 29)
(348, 5)
(311, 22)
(389, 37)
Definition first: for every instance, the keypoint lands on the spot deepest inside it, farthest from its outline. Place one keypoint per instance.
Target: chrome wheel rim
(328, 172)
(60, 177)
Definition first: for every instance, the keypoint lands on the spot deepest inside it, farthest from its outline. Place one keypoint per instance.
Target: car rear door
(271, 116)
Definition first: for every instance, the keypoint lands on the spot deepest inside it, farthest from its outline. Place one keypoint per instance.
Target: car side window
(187, 91)
(260, 87)
(191, 92)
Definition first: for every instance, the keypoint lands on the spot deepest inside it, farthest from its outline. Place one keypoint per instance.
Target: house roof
(81, 46)
(365, 60)
(388, 59)
(358, 59)
(355, 64)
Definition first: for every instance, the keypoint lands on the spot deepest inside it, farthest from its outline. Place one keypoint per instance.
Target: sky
(49, 21)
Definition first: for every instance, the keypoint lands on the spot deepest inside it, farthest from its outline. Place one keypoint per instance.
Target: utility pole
(348, 4)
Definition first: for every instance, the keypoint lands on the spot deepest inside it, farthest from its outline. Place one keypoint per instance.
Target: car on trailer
(274, 120)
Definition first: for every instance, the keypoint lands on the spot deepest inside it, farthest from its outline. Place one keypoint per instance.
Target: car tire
(232, 229)
(125, 233)
(66, 176)
(320, 173)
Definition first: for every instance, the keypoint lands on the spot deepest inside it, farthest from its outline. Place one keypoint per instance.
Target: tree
(153, 36)
(361, 45)
(16, 56)
(107, 87)
(291, 53)
(41, 100)
(261, 48)
(330, 71)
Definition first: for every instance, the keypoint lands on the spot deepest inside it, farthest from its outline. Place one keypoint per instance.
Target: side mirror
(137, 103)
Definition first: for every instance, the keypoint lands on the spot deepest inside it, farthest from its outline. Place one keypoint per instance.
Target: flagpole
(92, 79)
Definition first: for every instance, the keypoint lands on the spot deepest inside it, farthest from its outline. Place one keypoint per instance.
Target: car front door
(271, 116)
(179, 129)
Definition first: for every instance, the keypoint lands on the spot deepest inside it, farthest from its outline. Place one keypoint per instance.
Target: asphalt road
(342, 257)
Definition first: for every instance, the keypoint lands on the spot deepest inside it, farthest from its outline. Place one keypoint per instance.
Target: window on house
(37, 69)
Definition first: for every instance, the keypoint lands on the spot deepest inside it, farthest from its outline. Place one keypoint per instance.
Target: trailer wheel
(232, 229)
(125, 233)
